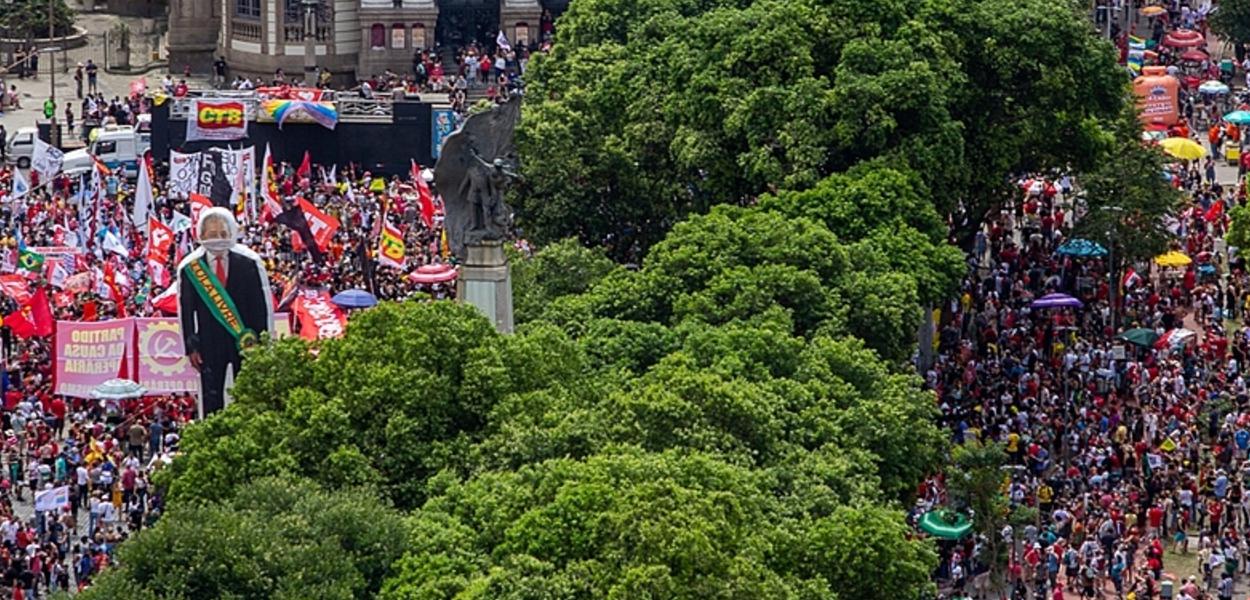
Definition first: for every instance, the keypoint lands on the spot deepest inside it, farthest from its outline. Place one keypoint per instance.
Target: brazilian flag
(31, 261)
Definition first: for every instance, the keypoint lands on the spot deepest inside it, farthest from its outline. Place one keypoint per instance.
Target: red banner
(318, 316)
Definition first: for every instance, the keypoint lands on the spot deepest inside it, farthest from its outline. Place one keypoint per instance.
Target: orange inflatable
(1157, 96)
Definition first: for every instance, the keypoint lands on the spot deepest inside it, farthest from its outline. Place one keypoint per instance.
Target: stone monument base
(486, 282)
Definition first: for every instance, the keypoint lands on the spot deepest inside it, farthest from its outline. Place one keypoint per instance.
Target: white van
(21, 146)
(118, 147)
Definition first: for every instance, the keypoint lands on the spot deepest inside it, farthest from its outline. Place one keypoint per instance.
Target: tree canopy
(650, 110)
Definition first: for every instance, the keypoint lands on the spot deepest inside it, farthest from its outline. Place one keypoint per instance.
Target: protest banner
(318, 316)
(218, 120)
(183, 171)
(89, 353)
(163, 367)
(52, 500)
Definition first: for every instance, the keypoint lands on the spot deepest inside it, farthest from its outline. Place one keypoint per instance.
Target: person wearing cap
(224, 304)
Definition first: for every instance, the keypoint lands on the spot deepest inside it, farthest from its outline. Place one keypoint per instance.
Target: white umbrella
(1213, 87)
(118, 389)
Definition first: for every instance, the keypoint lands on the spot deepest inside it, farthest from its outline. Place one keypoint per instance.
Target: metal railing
(351, 106)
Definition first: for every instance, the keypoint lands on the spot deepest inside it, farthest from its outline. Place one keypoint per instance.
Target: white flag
(46, 159)
(21, 187)
(501, 40)
(57, 274)
(143, 198)
(114, 244)
(179, 222)
(52, 500)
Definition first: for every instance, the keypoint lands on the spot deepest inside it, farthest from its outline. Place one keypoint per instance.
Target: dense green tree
(647, 111)
(630, 524)
(560, 269)
(380, 405)
(1232, 21)
(276, 538)
(1127, 198)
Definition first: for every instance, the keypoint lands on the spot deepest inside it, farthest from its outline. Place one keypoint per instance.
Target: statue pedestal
(486, 282)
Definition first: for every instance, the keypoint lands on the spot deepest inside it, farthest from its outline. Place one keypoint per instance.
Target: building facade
(351, 38)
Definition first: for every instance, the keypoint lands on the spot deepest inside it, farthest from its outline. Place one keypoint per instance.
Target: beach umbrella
(1081, 248)
(1174, 338)
(1172, 259)
(1057, 301)
(1213, 87)
(1183, 148)
(433, 274)
(1184, 38)
(1238, 117)
(1140, 336)
(354, 299)
(118, 389)
(1194, 55)
(1152, 11)
(945, 524)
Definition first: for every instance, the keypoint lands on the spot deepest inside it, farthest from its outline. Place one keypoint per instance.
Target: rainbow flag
(280, 111)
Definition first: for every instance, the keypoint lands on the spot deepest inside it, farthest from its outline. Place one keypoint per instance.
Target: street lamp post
(310, 32)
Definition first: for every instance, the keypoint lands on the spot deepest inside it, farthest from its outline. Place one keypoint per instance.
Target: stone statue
(474, 169)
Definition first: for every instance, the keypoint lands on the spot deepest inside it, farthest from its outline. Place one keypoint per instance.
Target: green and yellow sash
(219, 303)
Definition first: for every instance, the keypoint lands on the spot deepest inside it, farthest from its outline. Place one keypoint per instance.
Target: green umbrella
(946, 524)
(1141, 336)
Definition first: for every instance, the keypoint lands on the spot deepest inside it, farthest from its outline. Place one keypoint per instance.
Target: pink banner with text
(88, 354)
(162, 366)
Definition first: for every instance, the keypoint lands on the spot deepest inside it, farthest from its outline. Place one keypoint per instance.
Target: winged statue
(476, 165)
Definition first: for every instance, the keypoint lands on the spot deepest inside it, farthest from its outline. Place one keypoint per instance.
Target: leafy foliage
(276, 538)
(1232, 21)
(650, 110)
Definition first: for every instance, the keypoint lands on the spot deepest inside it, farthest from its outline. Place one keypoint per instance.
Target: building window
(522, 35)
(399, 36)
(247, 9)
(377, 36)
(418, 36)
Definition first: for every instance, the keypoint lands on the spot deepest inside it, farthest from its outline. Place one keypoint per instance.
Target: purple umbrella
(1057, 301)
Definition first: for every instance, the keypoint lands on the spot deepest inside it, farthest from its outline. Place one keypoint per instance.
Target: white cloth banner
(52, 500)
(183, 171)
(46, 159)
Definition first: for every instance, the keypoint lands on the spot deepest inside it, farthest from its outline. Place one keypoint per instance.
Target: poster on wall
(216, 120)
(443, 124)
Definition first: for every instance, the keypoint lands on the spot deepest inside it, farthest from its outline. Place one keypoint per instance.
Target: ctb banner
(216, 120)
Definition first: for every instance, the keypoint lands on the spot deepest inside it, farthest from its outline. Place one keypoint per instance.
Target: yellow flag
(1168, 445)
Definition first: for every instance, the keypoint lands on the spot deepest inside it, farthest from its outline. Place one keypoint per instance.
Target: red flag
(167, 301)
(305, 167)
(21, 326)
(16, 287)
(115, 294)
(425, 197)
(198, 203)
(1215, 212)
(160, 238)
(33, 318)
(41, 312)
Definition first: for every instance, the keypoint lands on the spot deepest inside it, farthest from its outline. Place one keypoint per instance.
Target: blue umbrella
(1081, 248)
(354, 299)
(1238, 117)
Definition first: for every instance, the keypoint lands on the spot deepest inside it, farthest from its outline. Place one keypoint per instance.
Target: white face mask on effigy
(217, 247)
